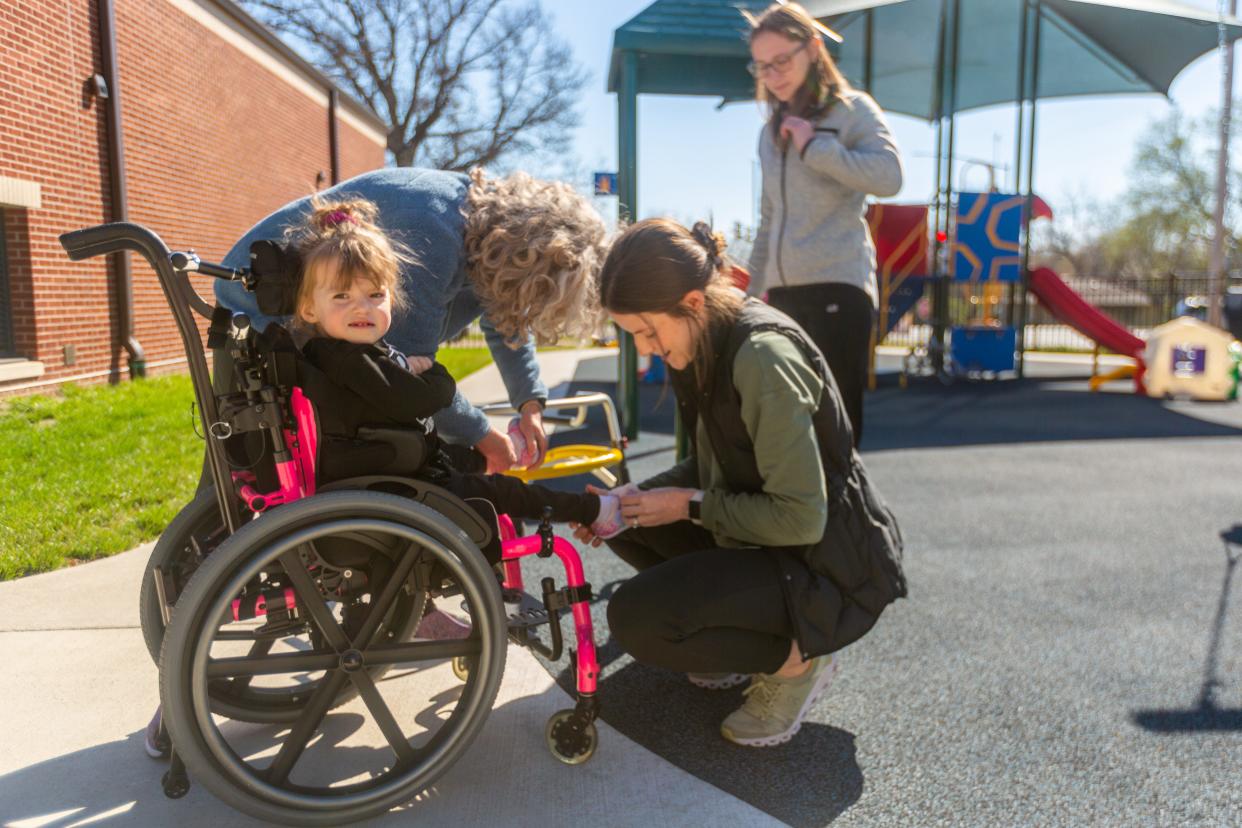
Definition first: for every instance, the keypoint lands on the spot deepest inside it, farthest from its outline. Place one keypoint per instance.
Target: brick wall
(218, 132)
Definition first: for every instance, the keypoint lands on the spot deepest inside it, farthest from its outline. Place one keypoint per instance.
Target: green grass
(99, 470)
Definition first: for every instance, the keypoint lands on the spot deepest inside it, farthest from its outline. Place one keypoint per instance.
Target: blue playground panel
(901, 300)
(983, 349)
(987, 228)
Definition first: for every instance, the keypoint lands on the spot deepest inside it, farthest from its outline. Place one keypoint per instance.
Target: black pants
(839, 319)
(509, 495)
(697, 608)
(512, 497)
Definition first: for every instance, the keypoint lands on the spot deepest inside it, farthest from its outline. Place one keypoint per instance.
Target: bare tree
(460, 82)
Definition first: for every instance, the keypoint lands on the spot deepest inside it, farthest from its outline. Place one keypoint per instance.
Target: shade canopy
(891, 48)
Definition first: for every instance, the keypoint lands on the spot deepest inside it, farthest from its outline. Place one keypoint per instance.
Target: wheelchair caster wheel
(176, 786)
(461, 667)
(571, 738)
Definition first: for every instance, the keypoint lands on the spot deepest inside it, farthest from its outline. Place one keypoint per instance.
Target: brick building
(220, 123)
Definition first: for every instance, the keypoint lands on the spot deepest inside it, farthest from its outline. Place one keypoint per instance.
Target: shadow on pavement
(928, 415)
(809, 781)
(1207, 715)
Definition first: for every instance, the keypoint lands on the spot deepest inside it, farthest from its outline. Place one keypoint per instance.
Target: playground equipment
(276, 596)
(1061, 301)
(1189, 358)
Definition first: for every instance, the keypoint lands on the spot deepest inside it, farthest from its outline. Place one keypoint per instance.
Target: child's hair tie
(338, 217)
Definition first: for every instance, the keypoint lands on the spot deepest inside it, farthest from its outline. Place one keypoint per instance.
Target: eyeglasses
(780, 64)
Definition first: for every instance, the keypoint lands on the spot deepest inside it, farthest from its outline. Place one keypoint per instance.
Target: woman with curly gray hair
(517, 253)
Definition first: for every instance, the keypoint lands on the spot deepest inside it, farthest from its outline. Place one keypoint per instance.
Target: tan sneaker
(717, 681)
(775, 707)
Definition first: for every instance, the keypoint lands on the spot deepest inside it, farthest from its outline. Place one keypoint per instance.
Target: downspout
(334, 141)
(116, 175)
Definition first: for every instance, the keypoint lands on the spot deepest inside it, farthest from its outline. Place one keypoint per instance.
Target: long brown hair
(655, 263)
(824, 84)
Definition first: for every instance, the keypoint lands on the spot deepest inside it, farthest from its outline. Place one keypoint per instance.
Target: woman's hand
(495, 446)
(656, 507)
(584, 533)
(418, 364)
(532, 429)
(798, 129)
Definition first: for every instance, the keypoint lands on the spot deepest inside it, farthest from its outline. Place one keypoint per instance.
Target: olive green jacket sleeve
(684, 475)
(779, 393)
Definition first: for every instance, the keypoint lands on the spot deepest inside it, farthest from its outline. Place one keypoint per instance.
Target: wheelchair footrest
(525, 612)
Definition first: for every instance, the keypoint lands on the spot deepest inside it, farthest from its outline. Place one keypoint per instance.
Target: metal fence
(1136, 304)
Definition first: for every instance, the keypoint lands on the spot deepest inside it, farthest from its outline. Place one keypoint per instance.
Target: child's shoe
(609, 523)
(154, 738)
(438, 625)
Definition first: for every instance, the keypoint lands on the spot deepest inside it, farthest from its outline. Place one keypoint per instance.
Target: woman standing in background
(823, 149)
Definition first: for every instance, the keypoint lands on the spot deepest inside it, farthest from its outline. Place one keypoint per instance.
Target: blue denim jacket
(421, 209)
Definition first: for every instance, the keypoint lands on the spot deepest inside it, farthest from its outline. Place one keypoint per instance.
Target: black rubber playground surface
(1071, 650)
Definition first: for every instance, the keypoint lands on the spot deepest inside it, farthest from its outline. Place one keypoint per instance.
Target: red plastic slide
(1066, 305)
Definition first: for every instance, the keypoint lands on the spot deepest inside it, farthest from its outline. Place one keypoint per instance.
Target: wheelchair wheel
(182, 548)
(316, 770)
(192, 534)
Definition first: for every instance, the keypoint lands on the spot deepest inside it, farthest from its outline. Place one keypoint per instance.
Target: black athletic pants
(512, 497)
(838, 318)
(697, 608)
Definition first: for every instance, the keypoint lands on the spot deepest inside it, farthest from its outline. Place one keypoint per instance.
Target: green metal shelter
(927, 58)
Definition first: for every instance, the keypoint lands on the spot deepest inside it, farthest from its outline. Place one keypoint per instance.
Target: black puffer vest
(837, 588)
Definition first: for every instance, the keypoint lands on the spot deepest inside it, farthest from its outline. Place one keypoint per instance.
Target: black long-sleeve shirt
(368, 386)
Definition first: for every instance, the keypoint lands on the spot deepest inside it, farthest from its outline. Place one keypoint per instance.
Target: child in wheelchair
(348, 290)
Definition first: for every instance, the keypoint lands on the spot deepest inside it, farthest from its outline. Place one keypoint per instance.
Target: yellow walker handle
(565, 461)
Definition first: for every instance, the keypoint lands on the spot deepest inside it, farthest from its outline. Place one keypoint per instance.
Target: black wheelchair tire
(200, 516)
(183, 682)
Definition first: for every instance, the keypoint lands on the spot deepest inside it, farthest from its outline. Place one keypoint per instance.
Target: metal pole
(1030, 191)
(938, 309)
(334, 141)
(1216, 272)
(627, 210)
(868, 45)
(946, 185)
(1019, 145)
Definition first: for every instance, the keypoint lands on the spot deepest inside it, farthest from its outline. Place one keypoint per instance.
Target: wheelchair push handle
(103, 239)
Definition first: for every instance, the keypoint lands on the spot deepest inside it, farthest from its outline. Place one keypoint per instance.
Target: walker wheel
(571, 738)
(461, 667)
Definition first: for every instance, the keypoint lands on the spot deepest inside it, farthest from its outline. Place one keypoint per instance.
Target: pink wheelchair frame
(297, 480)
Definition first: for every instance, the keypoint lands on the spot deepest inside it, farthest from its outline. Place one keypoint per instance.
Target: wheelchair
(277, 597)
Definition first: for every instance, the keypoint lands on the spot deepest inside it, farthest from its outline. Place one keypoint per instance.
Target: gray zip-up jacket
(812, 223)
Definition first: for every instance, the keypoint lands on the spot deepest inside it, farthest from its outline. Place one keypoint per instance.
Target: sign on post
(605, 183)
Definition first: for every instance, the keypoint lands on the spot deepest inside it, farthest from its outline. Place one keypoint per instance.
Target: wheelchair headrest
(276, 270)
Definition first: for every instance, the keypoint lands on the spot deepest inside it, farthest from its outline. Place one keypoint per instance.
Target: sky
(695, 161)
